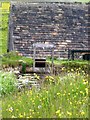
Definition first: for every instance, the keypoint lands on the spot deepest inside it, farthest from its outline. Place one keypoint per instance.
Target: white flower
(39, 106)
(10, 109)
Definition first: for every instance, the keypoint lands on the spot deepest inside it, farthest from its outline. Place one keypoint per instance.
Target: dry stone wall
(64, 25)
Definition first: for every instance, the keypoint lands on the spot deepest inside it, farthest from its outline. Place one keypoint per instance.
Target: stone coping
(42, 45)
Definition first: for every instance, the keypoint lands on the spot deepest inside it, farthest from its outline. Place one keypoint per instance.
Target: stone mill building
(65, 25)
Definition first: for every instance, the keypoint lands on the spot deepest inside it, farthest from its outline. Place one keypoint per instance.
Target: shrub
(23, 68)
(7, 83)
(76, 65)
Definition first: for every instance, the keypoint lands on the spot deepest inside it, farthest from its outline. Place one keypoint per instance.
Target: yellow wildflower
(63, 68)
(20, 115)
(85, 82)
(47, 91)
(59, 115)
(81, 92)
(30, 92)
(82, 113)
(75, 96)
(70, 84)
(79, 102)
(10, 109)
(68, 93)
(70, 103)
(58, 111)
(58, 93)
(69, 113)
(72, 90)
(72, 70)
(30, 116)
(13, 116)
(78, 73)
(86, 89)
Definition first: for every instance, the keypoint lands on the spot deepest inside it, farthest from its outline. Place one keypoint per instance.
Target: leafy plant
(23, 67)
(7, 83)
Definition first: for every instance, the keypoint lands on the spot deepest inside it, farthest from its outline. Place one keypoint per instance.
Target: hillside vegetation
(4, 17)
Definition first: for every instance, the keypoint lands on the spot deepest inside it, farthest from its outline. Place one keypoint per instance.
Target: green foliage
(72, 64)
(23, 68)
(82, 65)
(65, 97)
(7, 83)
(4, 19)
(14, 59)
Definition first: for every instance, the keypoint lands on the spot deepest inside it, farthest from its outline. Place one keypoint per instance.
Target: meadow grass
(14, 59)
(59, 97)
(4, 20)
(70, 65)
(60, 62)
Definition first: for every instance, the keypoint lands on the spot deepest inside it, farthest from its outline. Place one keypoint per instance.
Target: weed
(7, 83)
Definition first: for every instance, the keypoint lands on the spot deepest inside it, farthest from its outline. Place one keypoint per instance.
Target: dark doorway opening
(40, 63)
(86, 57)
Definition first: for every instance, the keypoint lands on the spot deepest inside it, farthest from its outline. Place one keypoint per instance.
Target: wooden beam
(34, 54)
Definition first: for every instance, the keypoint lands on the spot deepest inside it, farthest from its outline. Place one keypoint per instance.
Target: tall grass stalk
(59, 97)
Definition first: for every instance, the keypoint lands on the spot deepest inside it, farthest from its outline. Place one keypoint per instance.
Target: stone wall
(64, 25)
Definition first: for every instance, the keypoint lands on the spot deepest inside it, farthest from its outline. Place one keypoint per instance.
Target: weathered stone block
(51, 22)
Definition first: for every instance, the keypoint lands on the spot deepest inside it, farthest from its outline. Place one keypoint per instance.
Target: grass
(60, 62)
(14, 59)
(4, 15)
(62, 96)
(72, 64)
(59, 97)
